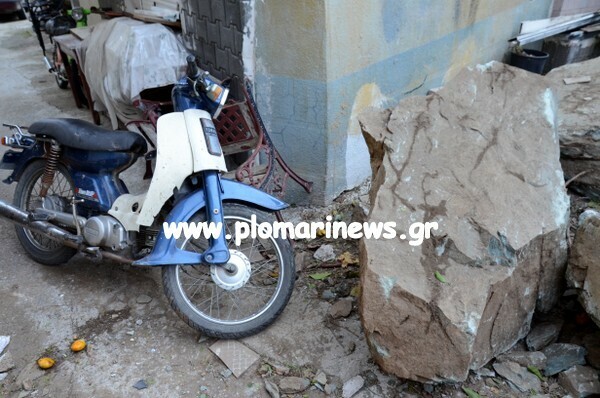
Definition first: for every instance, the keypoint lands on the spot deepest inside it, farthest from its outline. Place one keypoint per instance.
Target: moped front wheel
(243, 300)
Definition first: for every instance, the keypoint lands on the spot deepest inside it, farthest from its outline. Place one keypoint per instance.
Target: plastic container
(530, 60)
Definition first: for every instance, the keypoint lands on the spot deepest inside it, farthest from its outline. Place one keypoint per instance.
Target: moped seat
(84, 135)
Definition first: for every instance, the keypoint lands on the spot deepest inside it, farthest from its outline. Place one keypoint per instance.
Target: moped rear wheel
(240, 302)
(27, 197)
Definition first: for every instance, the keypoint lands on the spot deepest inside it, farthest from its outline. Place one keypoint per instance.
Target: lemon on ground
(78, 345)
(46, 363)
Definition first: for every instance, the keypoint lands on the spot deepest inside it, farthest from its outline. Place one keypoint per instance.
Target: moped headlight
(77, 14)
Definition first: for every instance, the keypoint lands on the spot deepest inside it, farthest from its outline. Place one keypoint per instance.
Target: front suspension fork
(217, 253)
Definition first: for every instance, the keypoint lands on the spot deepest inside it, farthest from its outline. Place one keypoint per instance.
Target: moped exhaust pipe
(25, 219)
(28, 220)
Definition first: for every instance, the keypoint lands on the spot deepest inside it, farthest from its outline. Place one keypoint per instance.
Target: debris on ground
(560, 357)
(293, 384)
(352, 386)
(580, 381)
(341, 308)
(140, 385)
(325, 253)
(236, 356)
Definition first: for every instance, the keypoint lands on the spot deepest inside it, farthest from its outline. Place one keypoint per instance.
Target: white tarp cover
(123, 57)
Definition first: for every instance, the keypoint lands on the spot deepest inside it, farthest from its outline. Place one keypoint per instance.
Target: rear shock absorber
(50, 169)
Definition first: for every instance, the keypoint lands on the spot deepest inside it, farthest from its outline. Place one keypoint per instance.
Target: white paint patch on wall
(358, 163)
(249, 44)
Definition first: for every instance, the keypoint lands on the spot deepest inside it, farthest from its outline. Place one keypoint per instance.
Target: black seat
(84, 135)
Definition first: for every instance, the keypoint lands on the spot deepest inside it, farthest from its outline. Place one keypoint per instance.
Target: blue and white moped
(69, 198)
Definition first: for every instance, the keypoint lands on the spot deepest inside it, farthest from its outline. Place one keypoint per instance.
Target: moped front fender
(165, 251)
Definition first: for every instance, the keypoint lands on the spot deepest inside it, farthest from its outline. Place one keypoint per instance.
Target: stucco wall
(318, 63)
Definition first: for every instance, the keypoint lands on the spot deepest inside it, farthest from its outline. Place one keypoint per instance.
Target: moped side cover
(165, 251)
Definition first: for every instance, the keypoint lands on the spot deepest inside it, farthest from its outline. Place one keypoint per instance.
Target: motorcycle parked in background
(69, 198)
(51, 17)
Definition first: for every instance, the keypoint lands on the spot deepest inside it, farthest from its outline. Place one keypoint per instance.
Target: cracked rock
(579, 125)
(583, 272)
(580, 381)
(494, 184)
(543, 335)
(562, 356)
(524, 358)
(518, 375)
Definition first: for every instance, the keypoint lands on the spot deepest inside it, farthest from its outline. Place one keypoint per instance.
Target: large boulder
(481, 158)
(579, 124)
(583, 272)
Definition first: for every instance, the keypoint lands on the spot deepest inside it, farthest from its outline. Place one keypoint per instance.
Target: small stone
(342, 289)
(341, 309)
(291, 385)
(143, 299)
(139, 322)
(3, 376)
(580, 381)
(272, 389)
(524, 358)
(485, 372)
(543, 335)
(561, 357)
(428, 388)
(370, 378)
(130, 332)
(226, 373)
(330, 389)
(321, 378)
(352, 386)
(350, 347)
(27, 385)
(328, 294)
(519, 376)
(4, 340)
(23, 394)
(140, 385)
(203, 388)
(202, 339)
(6, 362)
(280, 369)
(300, 260)
(325, 253)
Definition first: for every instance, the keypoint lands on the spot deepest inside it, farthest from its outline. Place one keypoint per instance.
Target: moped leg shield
(165, 251)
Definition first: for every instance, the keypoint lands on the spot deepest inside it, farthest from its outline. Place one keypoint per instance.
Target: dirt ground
(129, 339)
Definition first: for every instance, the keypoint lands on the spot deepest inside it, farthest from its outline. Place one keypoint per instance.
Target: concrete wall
(572, 7)
(318, 63)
